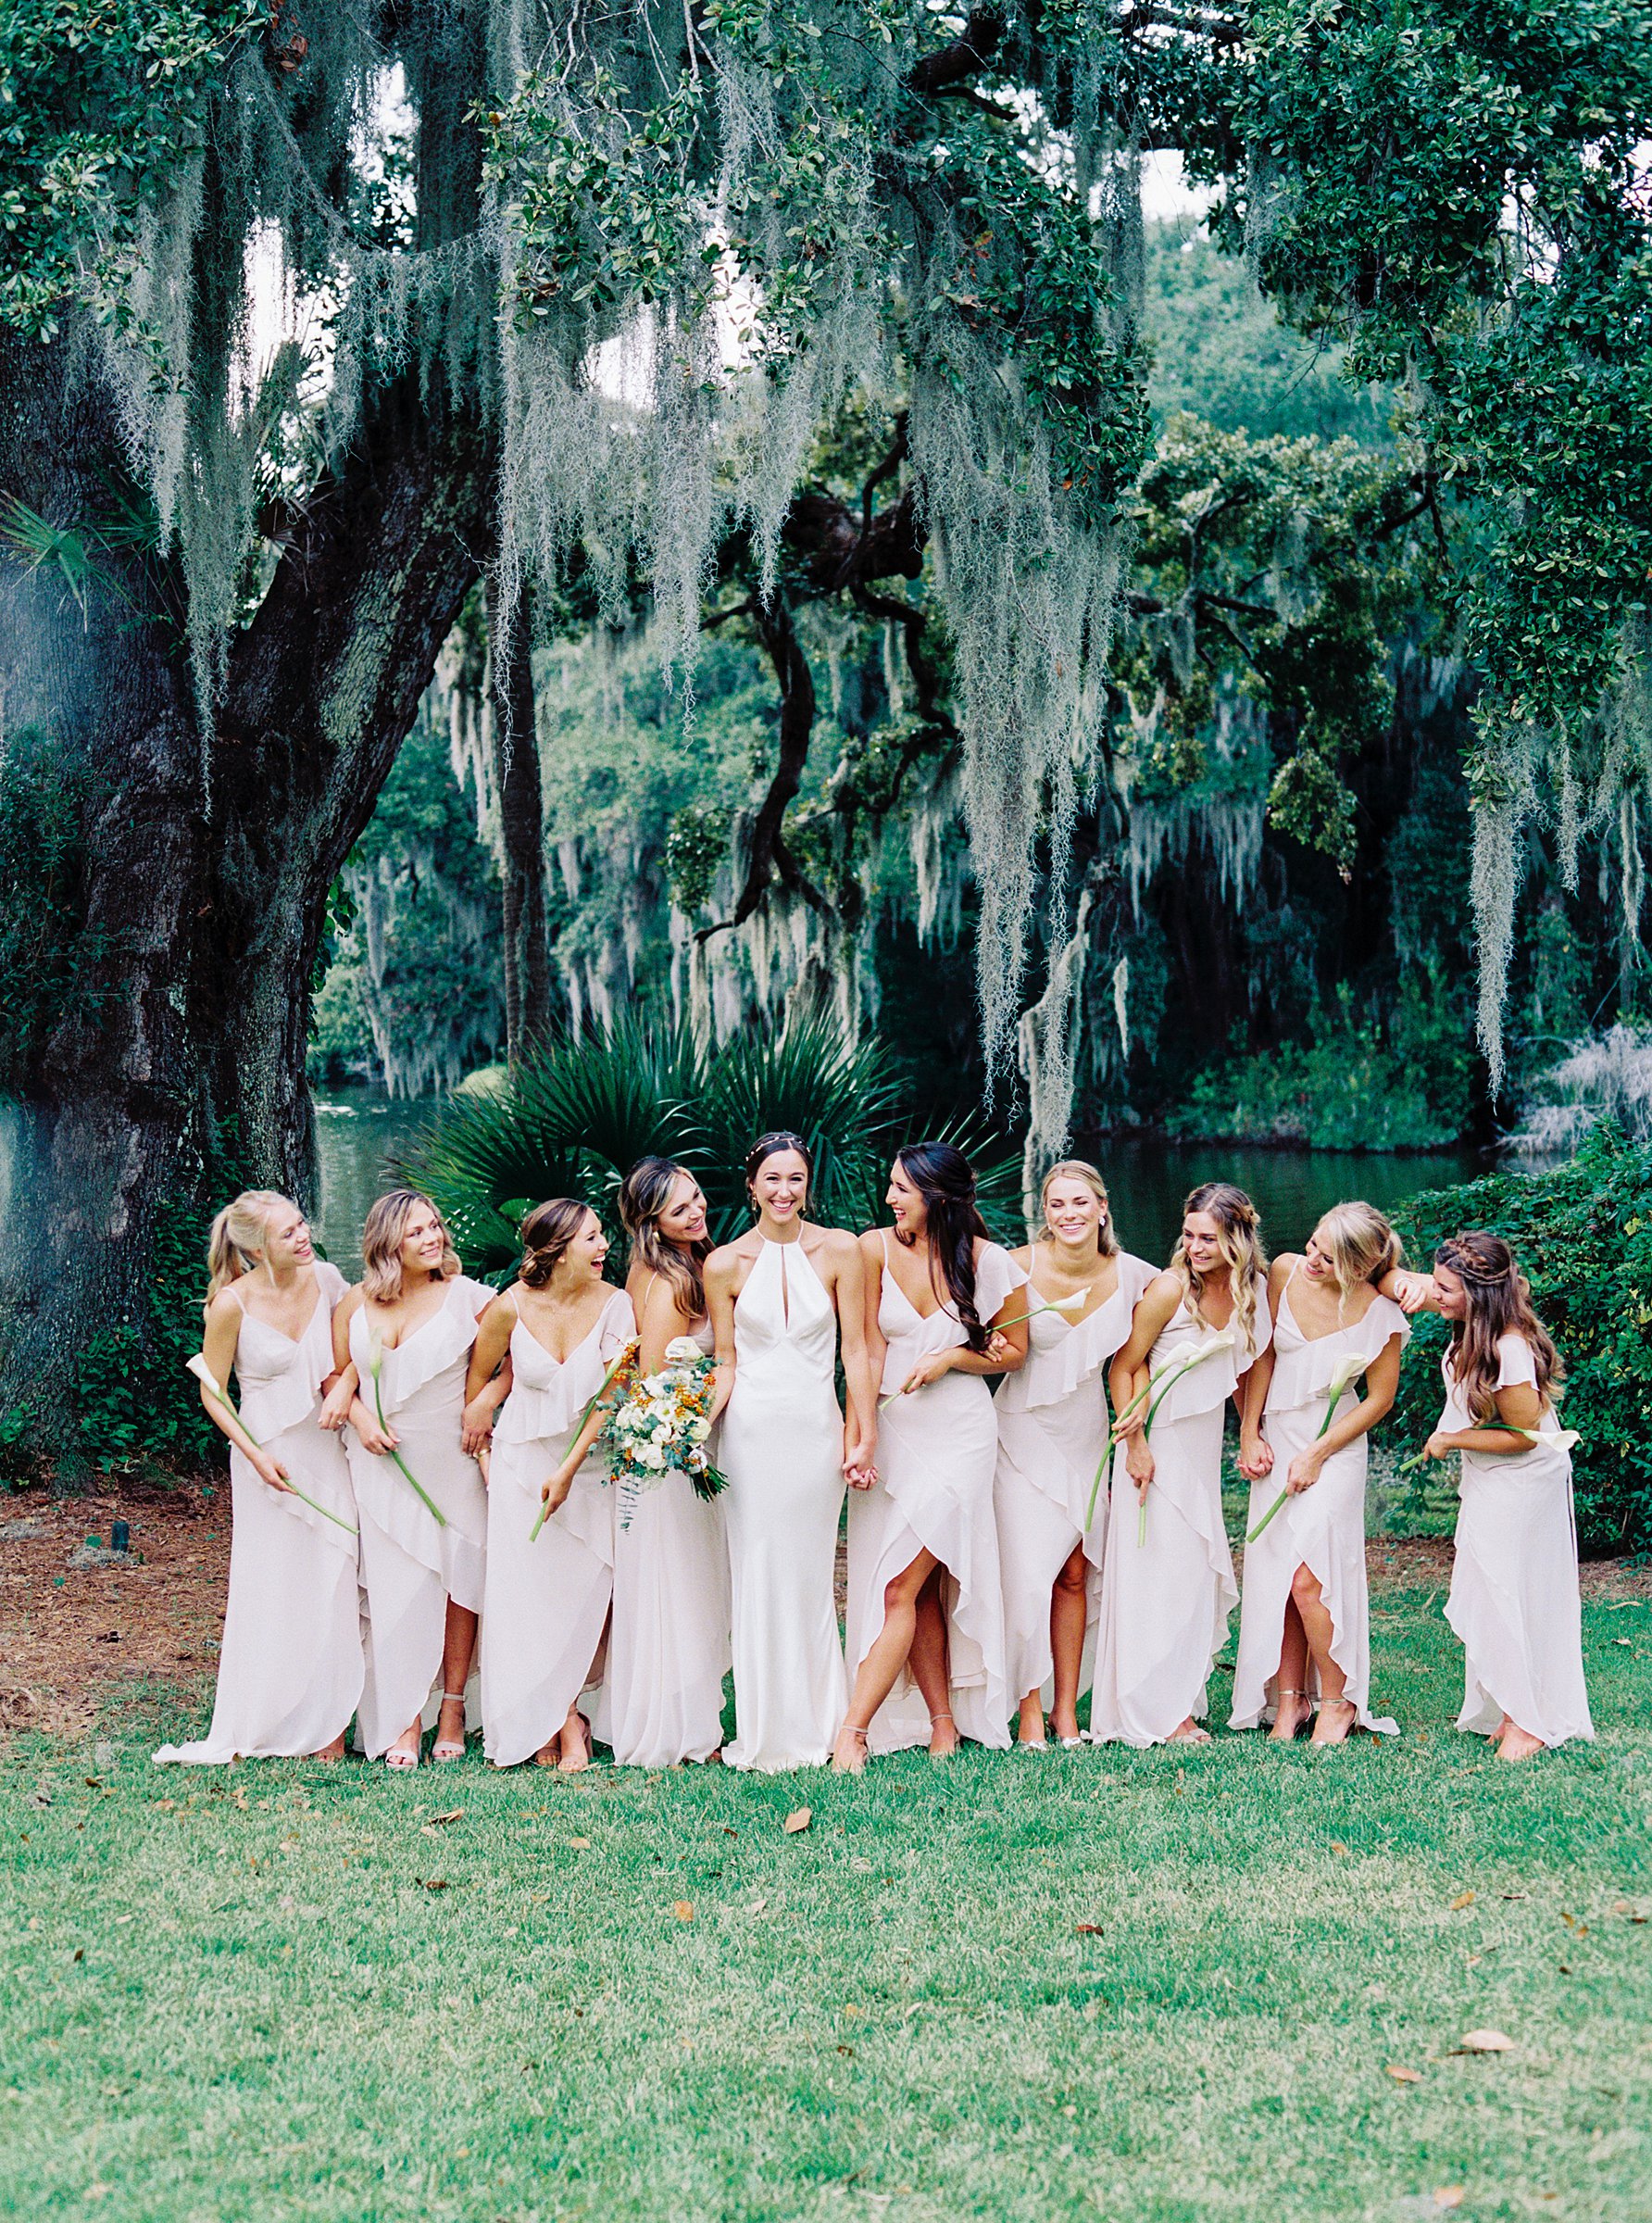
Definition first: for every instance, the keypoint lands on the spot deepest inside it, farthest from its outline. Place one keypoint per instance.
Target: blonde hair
(644, 1193)
(382, 1244)
(239, 1232)
(1238, 1245)
(1079, 1169)
(1359, 1245)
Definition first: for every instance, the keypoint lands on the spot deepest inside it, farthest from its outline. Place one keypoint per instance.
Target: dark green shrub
(1583, 1234)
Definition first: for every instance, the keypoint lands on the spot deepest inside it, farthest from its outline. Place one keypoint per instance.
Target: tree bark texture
(522, 826)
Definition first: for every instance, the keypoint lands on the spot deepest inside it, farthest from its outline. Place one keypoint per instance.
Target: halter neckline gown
(936, 1452)
(1514, 1590)
(782, 1450)
(1166, 1599)
(289, 1669)
(547, 1601)
(1053, 1429)
(1322, 1528)
(410, 1564)
(662, 1691)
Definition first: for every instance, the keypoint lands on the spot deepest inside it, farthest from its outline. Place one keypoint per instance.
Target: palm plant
(572, 1119)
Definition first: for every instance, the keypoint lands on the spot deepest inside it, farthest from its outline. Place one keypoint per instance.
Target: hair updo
(546, 1234)
(770, 1145)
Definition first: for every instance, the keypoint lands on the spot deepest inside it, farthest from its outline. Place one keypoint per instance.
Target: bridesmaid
(1053, 1442)
(562, 1327)
(1514, 1589)
(1305, 1587)
(669, 1644)
(416, 1313)
(926, 1611)
(781, 1298)
(290, 1670)
(1168, 1586)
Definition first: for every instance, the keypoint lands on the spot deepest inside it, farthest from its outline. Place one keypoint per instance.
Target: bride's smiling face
(780, 1185)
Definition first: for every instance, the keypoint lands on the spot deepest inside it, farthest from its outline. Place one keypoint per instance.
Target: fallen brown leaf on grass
(1088, 1929)
(1463, 1899)
(683, 1909)
(799, 1818)
(433, 1883)
(1485, 2041)
(454, 1814)
(1338, 1847)
(580, 1844)
(1404, 2075)
(1449, 2195)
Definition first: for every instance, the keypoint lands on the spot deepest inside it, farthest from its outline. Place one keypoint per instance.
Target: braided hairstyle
(1499, 1304)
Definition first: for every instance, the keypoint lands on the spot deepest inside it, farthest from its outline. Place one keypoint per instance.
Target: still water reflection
(361, 1130)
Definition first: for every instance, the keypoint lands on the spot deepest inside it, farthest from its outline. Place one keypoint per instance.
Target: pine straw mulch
(75, 1642)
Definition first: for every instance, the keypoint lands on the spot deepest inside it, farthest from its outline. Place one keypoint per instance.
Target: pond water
(359, 1130)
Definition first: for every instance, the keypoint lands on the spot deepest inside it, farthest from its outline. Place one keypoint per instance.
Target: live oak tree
(555, 283)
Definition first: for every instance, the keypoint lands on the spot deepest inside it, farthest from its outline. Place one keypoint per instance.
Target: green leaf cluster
(1583, 1235)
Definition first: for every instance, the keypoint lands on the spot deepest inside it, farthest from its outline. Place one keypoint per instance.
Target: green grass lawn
(1160, 1985)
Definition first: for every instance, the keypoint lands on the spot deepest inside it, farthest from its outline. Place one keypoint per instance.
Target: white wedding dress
(1052, 1427)
(290, 1670)
(936, 1452)
(1514, 1592)
(662, 1693)
(411, 1563)
(1322, 1528)
(547, 1601)
(782, 1450)
(1167, 1585)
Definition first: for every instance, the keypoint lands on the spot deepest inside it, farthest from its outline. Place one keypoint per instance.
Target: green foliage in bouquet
(1583, 1234)
(571, 1119)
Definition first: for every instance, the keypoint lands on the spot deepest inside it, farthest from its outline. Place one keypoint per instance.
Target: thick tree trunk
(209, 867)
(521, 827)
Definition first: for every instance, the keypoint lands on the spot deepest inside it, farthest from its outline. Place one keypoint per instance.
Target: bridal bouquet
(659, 1425)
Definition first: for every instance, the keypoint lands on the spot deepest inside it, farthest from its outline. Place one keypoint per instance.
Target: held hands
(1131, 1425)
(336, 1404)
(999, 1350)
(476, 1425)
(859, 1452)
(1255, 1457)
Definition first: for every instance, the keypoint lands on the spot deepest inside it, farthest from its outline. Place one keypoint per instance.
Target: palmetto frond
(572, 1119)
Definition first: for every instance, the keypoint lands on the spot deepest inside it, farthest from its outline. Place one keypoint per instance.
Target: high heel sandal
(444, 1748)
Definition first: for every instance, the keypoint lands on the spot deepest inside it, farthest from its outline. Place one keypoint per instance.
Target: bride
(781, 1298)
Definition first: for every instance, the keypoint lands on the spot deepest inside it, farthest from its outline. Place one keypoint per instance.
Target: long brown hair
(382, 1244)
(1499, 1304)
(1239, 1246)
(952, 1224)
(644, 1194)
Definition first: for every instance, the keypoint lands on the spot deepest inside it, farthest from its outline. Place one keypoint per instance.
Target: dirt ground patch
(74, 1640)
